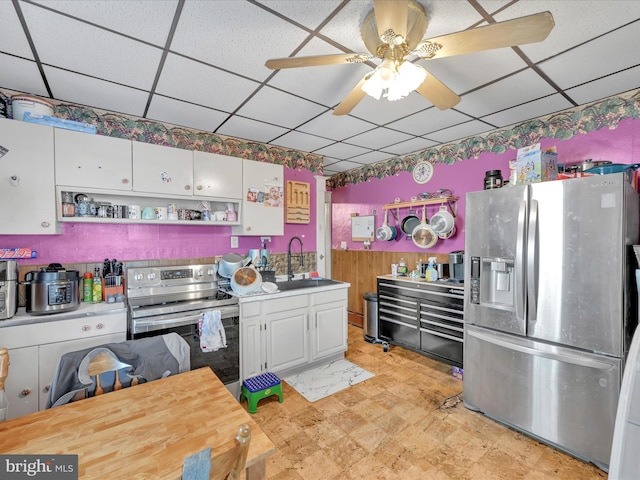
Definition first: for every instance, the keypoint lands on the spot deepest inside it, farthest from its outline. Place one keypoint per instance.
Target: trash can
(371, 317)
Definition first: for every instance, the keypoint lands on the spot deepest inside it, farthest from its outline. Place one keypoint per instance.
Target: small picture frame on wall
(363, 228)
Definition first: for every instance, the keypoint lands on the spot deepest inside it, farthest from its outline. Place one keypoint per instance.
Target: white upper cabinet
(162, 170)
(217, 176)
(92, 161)
(27, 194)
(262, 199)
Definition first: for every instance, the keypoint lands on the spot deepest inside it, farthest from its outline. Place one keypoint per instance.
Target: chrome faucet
(289, 269)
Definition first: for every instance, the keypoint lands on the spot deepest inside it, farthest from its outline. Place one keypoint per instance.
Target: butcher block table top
(145, 431)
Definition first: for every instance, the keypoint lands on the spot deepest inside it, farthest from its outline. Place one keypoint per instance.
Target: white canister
(394, 269)
(134, 212)
(161, 213)
(34, 105)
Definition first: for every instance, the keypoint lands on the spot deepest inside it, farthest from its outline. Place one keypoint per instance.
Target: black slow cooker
(52, 290)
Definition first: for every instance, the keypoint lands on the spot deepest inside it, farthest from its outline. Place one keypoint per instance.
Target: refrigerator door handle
(565, 356)
(519, 260)
(532, 261)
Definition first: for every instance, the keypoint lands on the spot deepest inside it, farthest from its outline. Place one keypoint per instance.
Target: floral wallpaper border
(149, 131)
(562, 126)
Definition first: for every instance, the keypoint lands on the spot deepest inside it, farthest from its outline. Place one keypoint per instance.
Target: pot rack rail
(451, 202)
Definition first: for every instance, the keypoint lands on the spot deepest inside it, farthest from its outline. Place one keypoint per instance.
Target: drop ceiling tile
(301, 141)
(536, 108)
(410, 146)
(204, 85)
(184, 114)
(326, 161)
(462, 73)
(248, 129)
(309, 14)
(575, 22)
(344, 28)
(605, 87)
(21, 75)
(327, 84)
(612, 52)
(450, 17)
(279, 108)
(75, 88)
(378, 138)
(457, 132)
(148, 21)
(335, 127)
(383, 111)
(341, 167)
(429, 120)
(237, 36)
(342, 151)
(12, 38)
(79, 47)
(371, 157)
(520, 88)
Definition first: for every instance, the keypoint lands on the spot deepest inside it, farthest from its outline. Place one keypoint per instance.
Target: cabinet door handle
(25, 392)
(45, 224)
(187, 187)
(125, 181)
(199, 187)
(47, 388)
(86, 328)
(100, 326)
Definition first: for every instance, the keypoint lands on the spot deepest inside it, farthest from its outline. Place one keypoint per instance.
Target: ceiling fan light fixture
(394, 83)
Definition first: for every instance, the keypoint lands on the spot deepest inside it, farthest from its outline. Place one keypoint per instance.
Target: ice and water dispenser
(493, 282)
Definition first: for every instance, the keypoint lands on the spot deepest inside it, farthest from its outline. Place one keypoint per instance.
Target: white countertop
(262, 295)
(85, 310)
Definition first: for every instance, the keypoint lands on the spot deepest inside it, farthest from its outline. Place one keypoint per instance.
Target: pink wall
(621, 145)
(87, 243)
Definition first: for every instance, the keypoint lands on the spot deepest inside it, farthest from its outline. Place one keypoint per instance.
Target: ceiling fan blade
(391, 15)
(437, 93)
(519, 31)
(317, 60)
(351, 100)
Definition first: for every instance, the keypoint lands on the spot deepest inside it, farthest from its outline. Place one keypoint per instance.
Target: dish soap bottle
(97, 287)
(431, 274)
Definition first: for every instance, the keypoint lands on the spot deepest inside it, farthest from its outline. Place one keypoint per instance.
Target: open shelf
(449, 201)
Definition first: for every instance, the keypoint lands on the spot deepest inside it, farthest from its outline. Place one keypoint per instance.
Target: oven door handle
(159, 322)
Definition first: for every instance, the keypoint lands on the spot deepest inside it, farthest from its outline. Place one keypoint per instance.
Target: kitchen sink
(305, 283)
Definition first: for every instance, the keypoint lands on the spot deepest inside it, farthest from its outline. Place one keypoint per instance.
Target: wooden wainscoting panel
(361, 267)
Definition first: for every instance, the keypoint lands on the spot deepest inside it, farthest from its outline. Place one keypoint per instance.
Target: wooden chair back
(227, 465)
(4, 373)
(103, 363)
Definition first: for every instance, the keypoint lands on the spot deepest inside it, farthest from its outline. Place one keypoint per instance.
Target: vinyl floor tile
(406, 422)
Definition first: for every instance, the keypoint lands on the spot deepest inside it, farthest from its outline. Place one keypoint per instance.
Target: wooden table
(144, 431)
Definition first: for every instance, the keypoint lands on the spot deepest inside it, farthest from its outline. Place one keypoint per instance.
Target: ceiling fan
(393, 32)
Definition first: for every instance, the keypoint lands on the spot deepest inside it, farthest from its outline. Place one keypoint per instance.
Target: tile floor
(407, 422)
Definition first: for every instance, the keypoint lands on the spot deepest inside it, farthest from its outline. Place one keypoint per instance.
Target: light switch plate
(234, 242)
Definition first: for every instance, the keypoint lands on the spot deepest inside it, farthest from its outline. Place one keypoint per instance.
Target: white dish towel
(212, 336)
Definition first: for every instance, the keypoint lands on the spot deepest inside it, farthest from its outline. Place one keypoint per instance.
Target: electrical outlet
(234, 242)
(265, 239)
(374, 211)
(343, 245)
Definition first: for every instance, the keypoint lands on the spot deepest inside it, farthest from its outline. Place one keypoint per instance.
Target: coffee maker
(456, 266)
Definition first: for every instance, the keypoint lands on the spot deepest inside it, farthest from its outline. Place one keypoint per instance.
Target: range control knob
(200, 273)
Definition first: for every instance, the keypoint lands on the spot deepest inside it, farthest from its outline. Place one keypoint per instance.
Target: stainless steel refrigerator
(550, 307)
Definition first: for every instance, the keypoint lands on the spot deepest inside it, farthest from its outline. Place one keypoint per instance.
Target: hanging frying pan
(423, 235)
(385, 232)
(409, 223)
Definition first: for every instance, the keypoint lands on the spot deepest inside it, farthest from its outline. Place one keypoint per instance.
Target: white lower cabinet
(36, 348)
(330, 323)
(282, 333)
(287, 344)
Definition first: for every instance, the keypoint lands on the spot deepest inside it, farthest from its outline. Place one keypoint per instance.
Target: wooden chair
(4, 373)
(103, 363)
(227, 465)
